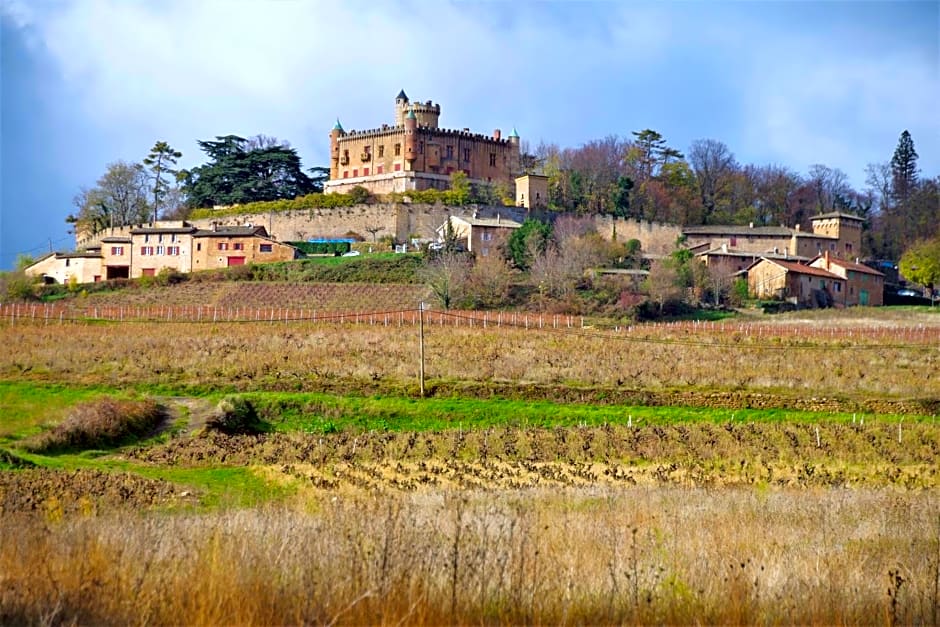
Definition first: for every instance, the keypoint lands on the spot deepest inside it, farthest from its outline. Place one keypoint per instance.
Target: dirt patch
(87, 492)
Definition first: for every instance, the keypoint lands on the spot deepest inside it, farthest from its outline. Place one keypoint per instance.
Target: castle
(416, 154)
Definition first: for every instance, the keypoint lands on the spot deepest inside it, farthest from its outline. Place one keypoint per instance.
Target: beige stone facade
(155, 248)
(237, 246)
(82, 267)
(532, 191)
(483, 236)
(116, 254)
(864, 286)
(416, 154)
(799, 284)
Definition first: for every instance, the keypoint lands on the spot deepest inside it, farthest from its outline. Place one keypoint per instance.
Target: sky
(88, 82)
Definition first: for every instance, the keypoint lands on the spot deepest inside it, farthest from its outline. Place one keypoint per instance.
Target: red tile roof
(851, 265)
(799, 268)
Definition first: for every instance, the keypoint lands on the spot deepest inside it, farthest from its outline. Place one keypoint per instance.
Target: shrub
(102, 423)
(18, 286)
(234, 414)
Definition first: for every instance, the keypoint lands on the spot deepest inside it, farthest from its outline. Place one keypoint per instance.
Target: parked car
(352, 253)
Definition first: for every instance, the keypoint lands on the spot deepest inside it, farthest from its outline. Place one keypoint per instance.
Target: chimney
(497, 134)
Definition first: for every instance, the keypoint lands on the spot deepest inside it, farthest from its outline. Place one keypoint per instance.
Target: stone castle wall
(655, 238)
(404, 221)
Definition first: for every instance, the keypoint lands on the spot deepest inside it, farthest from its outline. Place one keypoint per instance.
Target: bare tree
(373, 230)
(447, 275)
(714, 165)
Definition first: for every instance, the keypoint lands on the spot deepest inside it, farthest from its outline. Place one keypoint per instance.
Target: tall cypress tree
(904, 168)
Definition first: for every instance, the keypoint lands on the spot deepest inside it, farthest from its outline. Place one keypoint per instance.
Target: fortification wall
(655, 238)
(402, 221)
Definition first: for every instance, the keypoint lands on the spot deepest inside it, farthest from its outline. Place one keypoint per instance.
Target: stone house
(84, 267)
(776, 279)
(223, 247)
(155, 248)
(414, 153)
(482, 235)
(864, 286)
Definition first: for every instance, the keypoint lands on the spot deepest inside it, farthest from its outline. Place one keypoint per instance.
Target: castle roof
(514, 133)
(411, 114)
(402, 95)
(337, 126)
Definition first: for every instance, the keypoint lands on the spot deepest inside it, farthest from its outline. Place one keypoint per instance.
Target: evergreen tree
(904, 168)
(160, 161)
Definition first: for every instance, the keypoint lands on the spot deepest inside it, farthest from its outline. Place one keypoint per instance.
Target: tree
(318, 176)
(119, 198)
(714, 165)
(904, 168)
(921, 263)
(528, 241)
(446, 274)
(160, 161)
(236, 173)
(459, 193)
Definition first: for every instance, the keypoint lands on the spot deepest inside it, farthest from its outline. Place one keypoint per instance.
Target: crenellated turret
(335, 134)
(411, 126)
(515, 153)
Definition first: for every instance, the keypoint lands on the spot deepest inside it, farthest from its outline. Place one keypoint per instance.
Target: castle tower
(846, 227)
(515, 156)
(411, 125)
(401, 107)
(335, 134)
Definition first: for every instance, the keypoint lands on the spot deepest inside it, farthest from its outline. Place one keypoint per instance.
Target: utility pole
(421, 333)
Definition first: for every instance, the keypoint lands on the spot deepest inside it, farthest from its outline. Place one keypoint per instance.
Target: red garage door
(236, 261)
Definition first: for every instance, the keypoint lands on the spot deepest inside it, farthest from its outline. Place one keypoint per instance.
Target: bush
(18, 286)
(234, 414)
(102, 423)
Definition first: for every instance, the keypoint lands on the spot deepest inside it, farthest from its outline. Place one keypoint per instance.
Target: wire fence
(743, 334)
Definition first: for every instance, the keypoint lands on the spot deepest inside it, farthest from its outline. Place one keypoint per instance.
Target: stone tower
(515, 156)
(411, 152)
(335, 134)
(427, 113)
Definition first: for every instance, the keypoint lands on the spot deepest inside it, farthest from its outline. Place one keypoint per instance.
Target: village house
(727, 262)
(223, 247)
(864, 285)
(803, 285)
(480, 235)
(839, 234)
(154, 248)
(80, 267)
(532, 191)
(414, 153)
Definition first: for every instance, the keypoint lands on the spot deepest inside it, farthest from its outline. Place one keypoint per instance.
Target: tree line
(645, 178)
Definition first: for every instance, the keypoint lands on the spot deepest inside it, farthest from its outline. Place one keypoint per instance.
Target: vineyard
(560, 470)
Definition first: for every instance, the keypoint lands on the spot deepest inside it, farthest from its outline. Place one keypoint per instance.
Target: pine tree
(904, 168)
(161, 160)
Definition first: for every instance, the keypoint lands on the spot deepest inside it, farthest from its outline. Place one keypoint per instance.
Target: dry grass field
(796, 515)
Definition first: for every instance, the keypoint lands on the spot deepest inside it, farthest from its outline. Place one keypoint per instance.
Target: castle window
(397, 150)
(365, 171)
(117, 250)
(382, 150)
(420, 148)
(450, 152)
(379, 169)
(398, 167)
(493, 159)
(345, 174)
(355, 172)
(466, 154)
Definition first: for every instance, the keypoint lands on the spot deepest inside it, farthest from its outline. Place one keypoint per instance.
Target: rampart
(404, 221)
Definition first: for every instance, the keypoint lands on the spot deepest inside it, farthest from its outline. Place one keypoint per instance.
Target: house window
(67, 262)
(398, 167)
(397, 150)
(822, 283)
(487, 236)
(117, 250)
(143, 251)
(223, 245)
(161, 250)
(173, 237)
(173, 250)
(733, 241)
(382, 150)
(466, 154)
(265, 248)
(492, 159)
(838, 287)
(449, 153)
(832, 247)
(146, 237)
(365, 171)
(379, 169)
(848, 247)
(484, 252)
(198, 246)
(238, 246)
